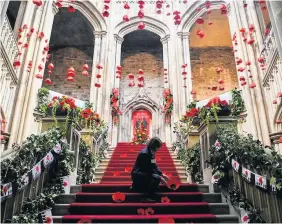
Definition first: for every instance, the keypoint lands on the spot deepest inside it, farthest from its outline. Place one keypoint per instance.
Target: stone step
(204, 188)
(106, 161)
(183, 179)
(104, 166)
(220, 219)
(207, 197)
(215, 208)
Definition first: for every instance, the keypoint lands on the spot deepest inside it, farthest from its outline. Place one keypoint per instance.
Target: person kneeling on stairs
(146, 175)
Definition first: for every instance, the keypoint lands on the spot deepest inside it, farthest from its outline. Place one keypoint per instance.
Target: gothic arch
(190, 16)
(152, 25)
(92, 14)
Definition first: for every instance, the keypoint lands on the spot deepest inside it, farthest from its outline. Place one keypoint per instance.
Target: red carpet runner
(95, 204)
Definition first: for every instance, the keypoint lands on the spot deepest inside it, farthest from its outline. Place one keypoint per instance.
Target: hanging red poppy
(221, 88)
(85, 67)
(223, 9)
(38, 76)
(165, 200)
(220, 81)
(70, 79)
(59, 4)
(107, 1)
(140, 72)
(159, 11)
(261, 60)
(208, 4)
(131, 76)
(193, 92)
(140, 78)
(98, 76)
(251, 41)
(16, 63)
(214, 88)
(274, 101)
(200, 20)
(245, 5)
(241, 69)
(239, 61)
(200, 33)
(165, 220)
(210, 23)
(141, 26)
(126, 6)
(51, 66)
(99, 66)
(48, 81)
(252, 85)
(98, 85)
(279, 94)
(106, 13)
(125, 18)
(242, 78)
(140, 14)
(85, 73)
(37, 2)
(243, 83)
(71, 9)
(248, 63)
(219, 70)
(71, 72)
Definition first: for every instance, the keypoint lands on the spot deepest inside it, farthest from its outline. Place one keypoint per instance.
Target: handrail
(99, 143)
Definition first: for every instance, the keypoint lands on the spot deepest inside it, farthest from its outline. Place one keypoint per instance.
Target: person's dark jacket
(145, 164)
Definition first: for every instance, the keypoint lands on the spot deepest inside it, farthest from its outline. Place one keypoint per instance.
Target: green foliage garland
(43, 94)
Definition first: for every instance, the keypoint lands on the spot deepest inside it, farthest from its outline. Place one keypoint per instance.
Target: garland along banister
(249, 153)
(33, 150)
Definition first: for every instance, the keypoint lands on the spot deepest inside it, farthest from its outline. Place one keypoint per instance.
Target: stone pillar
(101, 90)
(275, 14)
(257, 98)
(234, 27)
(45, 22)
(185, 45)
(96, 61)
(164, 41)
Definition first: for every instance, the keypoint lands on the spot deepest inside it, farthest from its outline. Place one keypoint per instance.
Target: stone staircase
(97, 195)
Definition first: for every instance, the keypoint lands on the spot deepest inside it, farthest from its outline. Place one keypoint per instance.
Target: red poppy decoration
(85, 221)
(48, 81)
(220, 81)
(128, 169)
(223, 9)
(126, 6)
(50, 66)
(85, 73)
(166, 220)
(85, 67)
(200, 20)
(16, 63)
(37, 2)
(71, 9)
(141, 26)
(140, 211)
(173, 184)
(252, 85)
(71, 72)
(118, 197)
(149, 211)
(208, 4)
(200, 33)
(106, 13)
(165, 200)
(48, 219)
(38, 76)
(65, 183)
(116, 174)
(125, 18)
(70, 79)
(141, 14)
(280, 140)
(99, 66)
(98, 85)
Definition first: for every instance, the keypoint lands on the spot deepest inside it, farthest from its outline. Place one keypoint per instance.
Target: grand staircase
(93, 202)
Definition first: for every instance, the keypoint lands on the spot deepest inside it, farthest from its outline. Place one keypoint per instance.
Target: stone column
(257, 98)
(234, 27)
(187, 60)
(116, 129)
(96, 61)
(275, 14)
(100, 91)
(45, 23)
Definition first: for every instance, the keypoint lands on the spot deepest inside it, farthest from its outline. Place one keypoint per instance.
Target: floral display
(115, 105)
(168, 105)
(140, 136)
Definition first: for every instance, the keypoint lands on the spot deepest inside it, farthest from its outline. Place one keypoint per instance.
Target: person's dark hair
(154, 143)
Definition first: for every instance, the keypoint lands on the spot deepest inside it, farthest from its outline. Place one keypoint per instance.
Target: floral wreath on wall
(115, 105)
(168, 105)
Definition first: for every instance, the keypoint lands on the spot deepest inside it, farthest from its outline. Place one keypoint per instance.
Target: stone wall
(204, 62)
(150, 60)
(63, 58)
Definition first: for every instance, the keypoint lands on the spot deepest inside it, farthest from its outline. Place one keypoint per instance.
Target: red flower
(17, 63)
(128, 169)
(223, 103)
(65, 184)
(140, 211)
(245, 218)
(48, 219)
(149, 211)
(173, 184)
(141, 26)
(123, 155)
(166, 220)
(118, 197)
(38, 76)
(165, 199)
(71, 9)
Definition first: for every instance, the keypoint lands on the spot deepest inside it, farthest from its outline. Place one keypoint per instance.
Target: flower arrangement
(141, 136)
(88, 118)
(168, 105)
(114, 97)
